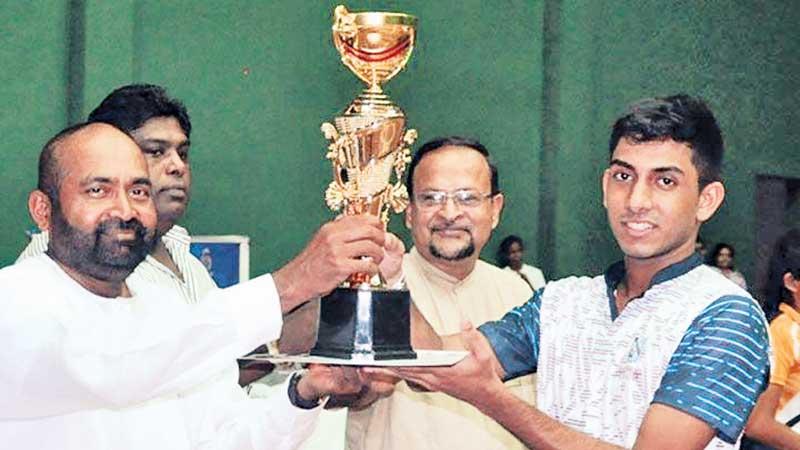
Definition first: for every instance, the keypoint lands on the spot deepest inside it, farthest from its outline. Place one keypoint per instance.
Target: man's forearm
(763, 426)
(534, 428)
(355, 402)
(290, 290)
(299, 331)
(774, 434)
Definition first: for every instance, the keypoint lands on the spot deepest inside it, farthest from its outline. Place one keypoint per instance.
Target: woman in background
(722, 260)
(775, 418)
(509, 257)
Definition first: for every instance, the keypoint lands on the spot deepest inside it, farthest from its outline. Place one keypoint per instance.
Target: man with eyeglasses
(455, 205)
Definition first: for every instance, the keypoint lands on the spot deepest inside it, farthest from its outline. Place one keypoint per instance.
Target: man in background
(455, 204)
(510, 258)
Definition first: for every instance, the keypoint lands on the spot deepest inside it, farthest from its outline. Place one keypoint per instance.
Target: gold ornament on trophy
(369, 150)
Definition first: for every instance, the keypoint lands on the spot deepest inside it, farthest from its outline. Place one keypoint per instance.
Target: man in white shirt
(161, 127)
(95, 361)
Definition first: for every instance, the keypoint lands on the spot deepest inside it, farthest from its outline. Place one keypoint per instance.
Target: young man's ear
(604, 185)
(41, 209)
(790, 283)
(711, 197)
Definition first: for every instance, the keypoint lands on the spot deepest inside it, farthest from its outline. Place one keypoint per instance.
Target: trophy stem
(373, 102)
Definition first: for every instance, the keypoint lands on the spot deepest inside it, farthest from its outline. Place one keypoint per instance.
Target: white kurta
(85, 372)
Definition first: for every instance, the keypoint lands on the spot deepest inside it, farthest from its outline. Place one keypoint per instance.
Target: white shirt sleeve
(65, 350)
(258, 424)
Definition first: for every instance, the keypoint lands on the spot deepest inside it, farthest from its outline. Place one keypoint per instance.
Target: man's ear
(790, 283)
(408, 215)
(41, 209)
(711, 198)
(497, 208)
(604, 184)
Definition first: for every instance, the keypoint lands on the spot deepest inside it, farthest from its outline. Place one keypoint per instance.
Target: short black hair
(785, 259)
(505, 247)
(681, 118)
(450, 141)
(50, 171)
(129, 107)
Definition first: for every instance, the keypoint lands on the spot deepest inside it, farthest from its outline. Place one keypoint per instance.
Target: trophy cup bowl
(374, 45)
(368, 145)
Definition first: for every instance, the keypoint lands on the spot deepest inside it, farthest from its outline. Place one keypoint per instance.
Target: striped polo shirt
(193, 284)
(693, 341)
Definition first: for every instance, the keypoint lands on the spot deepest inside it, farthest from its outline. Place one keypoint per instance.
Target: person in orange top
(774, 420)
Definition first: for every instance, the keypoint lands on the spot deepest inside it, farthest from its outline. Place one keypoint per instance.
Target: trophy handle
(344, 23)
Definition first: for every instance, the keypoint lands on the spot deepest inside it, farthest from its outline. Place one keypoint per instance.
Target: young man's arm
(477, 380)
(763, 427)
(709, 358)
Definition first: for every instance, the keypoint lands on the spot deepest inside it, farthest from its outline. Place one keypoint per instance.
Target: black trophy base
(386, 324)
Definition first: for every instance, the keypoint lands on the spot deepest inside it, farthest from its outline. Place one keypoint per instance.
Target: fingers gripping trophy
(369, 146)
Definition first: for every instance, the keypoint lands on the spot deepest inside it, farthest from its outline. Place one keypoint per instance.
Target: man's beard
(99, 254)
(463, 253)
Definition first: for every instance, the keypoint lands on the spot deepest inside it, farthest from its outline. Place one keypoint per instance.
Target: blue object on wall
(220, 259)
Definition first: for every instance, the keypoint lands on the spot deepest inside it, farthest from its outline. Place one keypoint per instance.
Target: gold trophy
(369, 143)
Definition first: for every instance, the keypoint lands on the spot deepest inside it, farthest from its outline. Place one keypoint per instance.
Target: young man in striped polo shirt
(660, 351)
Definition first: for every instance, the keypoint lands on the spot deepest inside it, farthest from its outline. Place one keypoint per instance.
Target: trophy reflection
(369, 151)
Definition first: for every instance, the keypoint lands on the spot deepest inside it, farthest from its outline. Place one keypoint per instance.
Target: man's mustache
(111, 226)
(450, 227)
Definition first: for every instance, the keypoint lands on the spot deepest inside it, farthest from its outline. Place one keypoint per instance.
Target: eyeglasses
(464, 198)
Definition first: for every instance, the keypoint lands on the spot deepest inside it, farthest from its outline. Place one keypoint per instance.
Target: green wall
(259, 158)
(539, 82)
(33, 95)
(741, 56)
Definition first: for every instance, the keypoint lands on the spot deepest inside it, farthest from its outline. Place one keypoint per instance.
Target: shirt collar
(616, 273)
(789, 311)
(177, 238)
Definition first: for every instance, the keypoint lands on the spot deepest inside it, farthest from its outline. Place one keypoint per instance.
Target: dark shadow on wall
(76, 44)
(777, 210)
